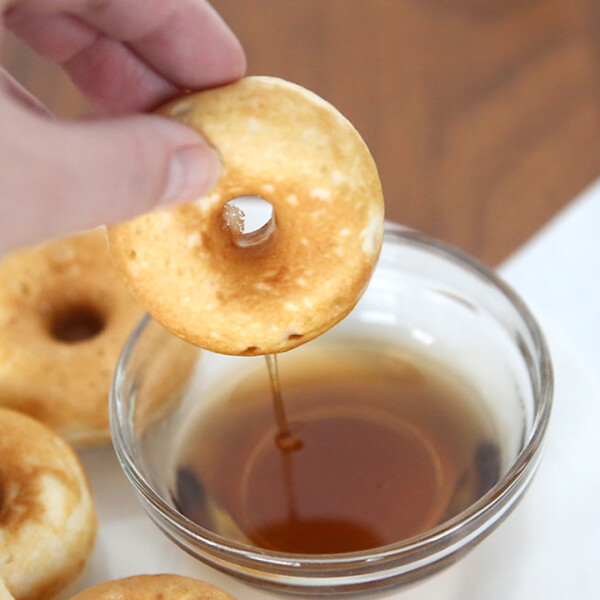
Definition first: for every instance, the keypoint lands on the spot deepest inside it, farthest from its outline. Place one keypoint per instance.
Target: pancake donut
(209, 283)
(4, 593)
(152, 587)
(64, 316)
(47, 516)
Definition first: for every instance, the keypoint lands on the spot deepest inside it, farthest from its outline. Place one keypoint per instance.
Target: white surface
(548, 547)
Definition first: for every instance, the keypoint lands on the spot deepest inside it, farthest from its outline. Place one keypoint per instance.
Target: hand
(127, 57)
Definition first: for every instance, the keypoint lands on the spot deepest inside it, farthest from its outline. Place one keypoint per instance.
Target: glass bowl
(424, 297)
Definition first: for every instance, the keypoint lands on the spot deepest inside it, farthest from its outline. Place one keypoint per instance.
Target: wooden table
(483, 115)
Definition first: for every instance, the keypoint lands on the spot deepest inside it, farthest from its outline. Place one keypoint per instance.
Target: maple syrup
(371, 445)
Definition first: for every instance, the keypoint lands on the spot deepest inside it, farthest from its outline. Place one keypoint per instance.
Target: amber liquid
(373, 446)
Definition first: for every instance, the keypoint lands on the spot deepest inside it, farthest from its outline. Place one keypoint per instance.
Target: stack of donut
(64, 315)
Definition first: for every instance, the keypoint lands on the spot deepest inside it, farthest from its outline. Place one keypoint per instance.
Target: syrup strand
(290, 488)
(286, 440)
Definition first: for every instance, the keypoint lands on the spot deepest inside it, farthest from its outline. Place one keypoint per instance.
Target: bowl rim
(419, 546)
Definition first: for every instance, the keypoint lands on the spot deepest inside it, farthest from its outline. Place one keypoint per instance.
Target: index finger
(185, 43)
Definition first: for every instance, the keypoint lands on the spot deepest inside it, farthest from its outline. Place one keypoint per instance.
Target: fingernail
(194, 171)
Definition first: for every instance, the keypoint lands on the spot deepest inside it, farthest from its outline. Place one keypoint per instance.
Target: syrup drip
(286, 441)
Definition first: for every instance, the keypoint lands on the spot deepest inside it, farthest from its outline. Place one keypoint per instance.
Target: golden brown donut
(153, 587)
(47, 516)
(4, 593)
(235, 293)
(64, 316)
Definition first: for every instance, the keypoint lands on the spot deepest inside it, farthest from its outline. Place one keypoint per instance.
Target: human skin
(60, 176)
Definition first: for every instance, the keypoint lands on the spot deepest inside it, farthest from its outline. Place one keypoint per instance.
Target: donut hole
(76, 323)
(250, 220)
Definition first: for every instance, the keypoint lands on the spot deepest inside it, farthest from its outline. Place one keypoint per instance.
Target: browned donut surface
(47, 517)
(153, 587)
(236, 293)
(64, 317)
(4, 593)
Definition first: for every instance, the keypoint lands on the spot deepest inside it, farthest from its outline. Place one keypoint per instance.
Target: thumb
(57, 177)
